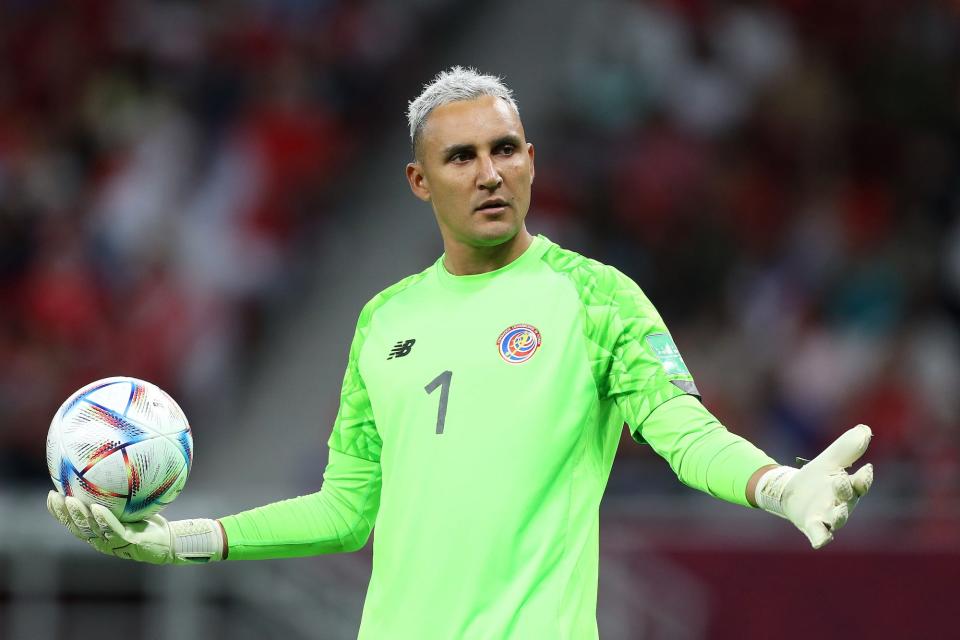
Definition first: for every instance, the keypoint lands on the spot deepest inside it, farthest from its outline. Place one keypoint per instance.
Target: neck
(466, 260)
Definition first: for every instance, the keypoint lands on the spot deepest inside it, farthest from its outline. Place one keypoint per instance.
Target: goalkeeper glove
(819, 497)
(155, 540)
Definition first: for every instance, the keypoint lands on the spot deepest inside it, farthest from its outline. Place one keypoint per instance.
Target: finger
(846, 449)
(80, 516)
(838, 517)
(108, 523)
(817, 533)
(862, 479)
(94, 525)
(842, 489)
(58, 509)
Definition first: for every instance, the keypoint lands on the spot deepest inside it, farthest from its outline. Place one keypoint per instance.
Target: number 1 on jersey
(442, 381)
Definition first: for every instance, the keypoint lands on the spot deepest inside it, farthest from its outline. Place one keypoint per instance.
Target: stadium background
(204, 195)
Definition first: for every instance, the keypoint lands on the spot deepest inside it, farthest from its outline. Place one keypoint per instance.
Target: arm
(701, 451)
(642, 370)
(341, 515)
(817, 498)
(639, 366)
(337, 518)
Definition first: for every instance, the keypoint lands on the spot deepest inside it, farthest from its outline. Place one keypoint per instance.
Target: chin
(493, 233)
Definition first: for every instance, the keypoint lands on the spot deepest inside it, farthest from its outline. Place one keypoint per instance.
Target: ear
(530, 153)
(418, 181)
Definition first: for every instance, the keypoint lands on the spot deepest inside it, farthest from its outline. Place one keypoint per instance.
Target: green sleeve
(644, 368)
(701, 451)
(632, 357)
(337, 518)
(354, 431)
(341, 515)
(637, 364)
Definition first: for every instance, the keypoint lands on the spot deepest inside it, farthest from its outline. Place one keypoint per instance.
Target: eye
(506, 149)
(460, 157)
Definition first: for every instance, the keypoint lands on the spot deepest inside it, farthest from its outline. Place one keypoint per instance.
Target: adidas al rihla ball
(123, 443)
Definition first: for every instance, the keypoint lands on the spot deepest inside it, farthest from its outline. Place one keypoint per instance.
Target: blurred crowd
(783, 179)
(159, 162)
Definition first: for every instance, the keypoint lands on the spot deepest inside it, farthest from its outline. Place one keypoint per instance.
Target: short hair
(452, 85)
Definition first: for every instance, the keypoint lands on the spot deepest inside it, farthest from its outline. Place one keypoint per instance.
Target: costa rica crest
(518, 343)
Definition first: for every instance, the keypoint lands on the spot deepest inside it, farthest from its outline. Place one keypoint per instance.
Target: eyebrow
(502, 140)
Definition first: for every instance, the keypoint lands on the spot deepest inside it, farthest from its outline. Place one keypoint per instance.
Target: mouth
(493, 205)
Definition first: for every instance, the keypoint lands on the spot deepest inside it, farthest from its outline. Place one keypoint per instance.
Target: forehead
(470, 122)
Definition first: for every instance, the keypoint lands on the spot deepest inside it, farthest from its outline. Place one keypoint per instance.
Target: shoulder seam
(375, 303)
(577, 261)
(386, 295)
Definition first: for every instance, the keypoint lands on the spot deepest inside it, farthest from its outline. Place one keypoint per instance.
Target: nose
(487, 175)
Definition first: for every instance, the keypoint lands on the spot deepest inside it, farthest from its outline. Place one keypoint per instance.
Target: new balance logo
(401, 349)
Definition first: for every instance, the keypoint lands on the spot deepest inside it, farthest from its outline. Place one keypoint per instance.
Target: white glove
(819, 497)
(155, 540)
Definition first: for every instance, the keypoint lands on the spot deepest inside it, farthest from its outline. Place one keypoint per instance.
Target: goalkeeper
(480, 412)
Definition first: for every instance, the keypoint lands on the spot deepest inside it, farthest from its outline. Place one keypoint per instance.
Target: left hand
(819, 497)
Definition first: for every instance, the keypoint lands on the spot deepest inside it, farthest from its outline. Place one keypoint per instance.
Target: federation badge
(518, 343)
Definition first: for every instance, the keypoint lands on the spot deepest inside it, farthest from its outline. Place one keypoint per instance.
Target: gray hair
(452, 85)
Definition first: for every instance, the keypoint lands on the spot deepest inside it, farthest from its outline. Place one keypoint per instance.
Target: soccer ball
(123, 443)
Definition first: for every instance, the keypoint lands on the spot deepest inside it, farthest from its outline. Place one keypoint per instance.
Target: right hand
(155, 540)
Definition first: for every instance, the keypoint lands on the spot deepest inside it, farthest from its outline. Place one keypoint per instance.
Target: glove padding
(155, 539)
(819, 497)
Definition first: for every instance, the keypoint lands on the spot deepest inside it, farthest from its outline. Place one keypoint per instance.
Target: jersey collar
(467, 283)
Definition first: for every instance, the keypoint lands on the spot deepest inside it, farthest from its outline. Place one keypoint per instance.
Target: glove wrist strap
(770, 489)
(195, 541)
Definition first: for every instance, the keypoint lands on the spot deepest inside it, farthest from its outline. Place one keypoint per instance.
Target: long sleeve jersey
(478, 422)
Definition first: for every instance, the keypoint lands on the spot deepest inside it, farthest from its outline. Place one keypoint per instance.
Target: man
(480, 413)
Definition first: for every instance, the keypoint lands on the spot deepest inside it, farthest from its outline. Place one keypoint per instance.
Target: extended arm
(337, 518)
(817, 499)
(642, 369)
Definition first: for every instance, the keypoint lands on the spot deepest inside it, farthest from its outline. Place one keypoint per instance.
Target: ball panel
(114, 396)
(67, 475)
(78, 396)
(72, 482)
(156, 460)
(84, 455)
(158, 411)
(107, 476)
(53, 454)
(185, 439)
(163, 470)
(146, 503)
(91, 493)
(174, 419)
(88, 412)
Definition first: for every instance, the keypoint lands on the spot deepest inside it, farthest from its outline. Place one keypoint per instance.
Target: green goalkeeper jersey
(478, 423)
